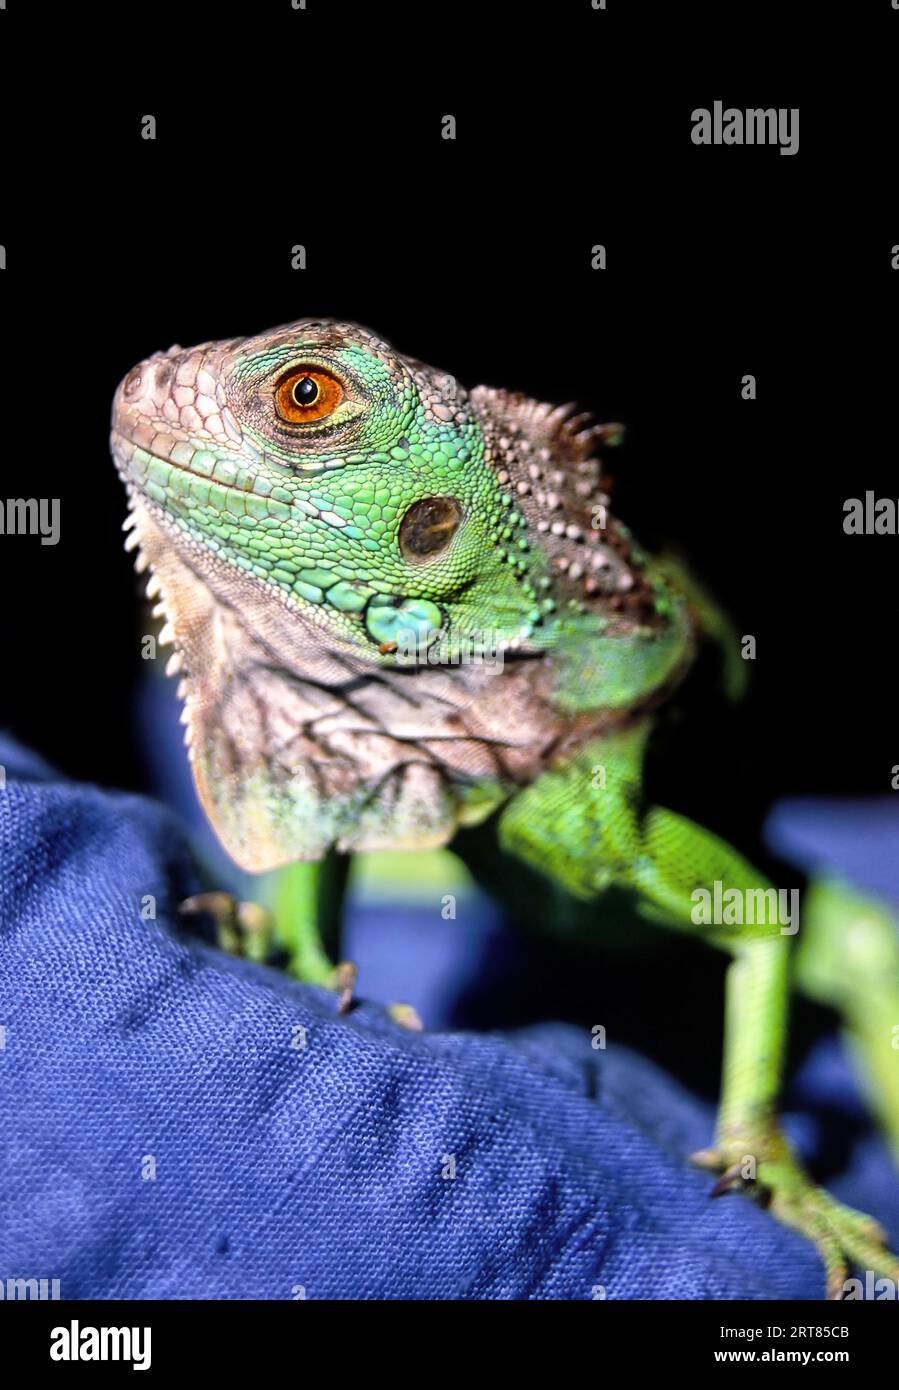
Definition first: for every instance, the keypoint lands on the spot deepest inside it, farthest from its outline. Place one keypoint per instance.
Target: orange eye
(307, 393)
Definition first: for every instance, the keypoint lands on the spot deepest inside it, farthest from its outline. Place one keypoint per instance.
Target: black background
(323, 128)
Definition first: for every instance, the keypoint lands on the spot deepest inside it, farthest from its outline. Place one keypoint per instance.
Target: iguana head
(389, 597)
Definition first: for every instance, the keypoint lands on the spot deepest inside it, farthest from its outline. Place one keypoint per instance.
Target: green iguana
(401, 608)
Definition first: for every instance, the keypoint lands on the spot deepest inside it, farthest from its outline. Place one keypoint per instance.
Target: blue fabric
(130, 1044)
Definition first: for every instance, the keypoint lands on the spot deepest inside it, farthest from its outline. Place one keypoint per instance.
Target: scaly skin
(342, 539)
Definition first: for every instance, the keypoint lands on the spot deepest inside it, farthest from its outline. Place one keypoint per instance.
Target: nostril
(132, 383)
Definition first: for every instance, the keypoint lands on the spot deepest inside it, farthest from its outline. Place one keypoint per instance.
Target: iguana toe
(841, 1235)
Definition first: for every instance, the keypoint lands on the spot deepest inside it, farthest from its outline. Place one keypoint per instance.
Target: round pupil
(306, 391)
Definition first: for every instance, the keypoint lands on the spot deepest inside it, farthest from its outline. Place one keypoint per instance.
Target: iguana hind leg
(583, 825)
(848, 957)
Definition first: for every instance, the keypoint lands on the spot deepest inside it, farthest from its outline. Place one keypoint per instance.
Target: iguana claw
(406, 1016)
(841, 1235)
(345, 982)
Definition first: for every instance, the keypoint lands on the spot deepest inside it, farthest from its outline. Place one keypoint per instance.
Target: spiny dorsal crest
(546, 456)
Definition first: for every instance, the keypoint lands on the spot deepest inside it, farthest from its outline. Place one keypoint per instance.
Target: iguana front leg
(306, 901)
(583, 825)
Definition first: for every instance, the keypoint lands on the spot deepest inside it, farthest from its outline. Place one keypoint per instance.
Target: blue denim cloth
(178, 1124)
